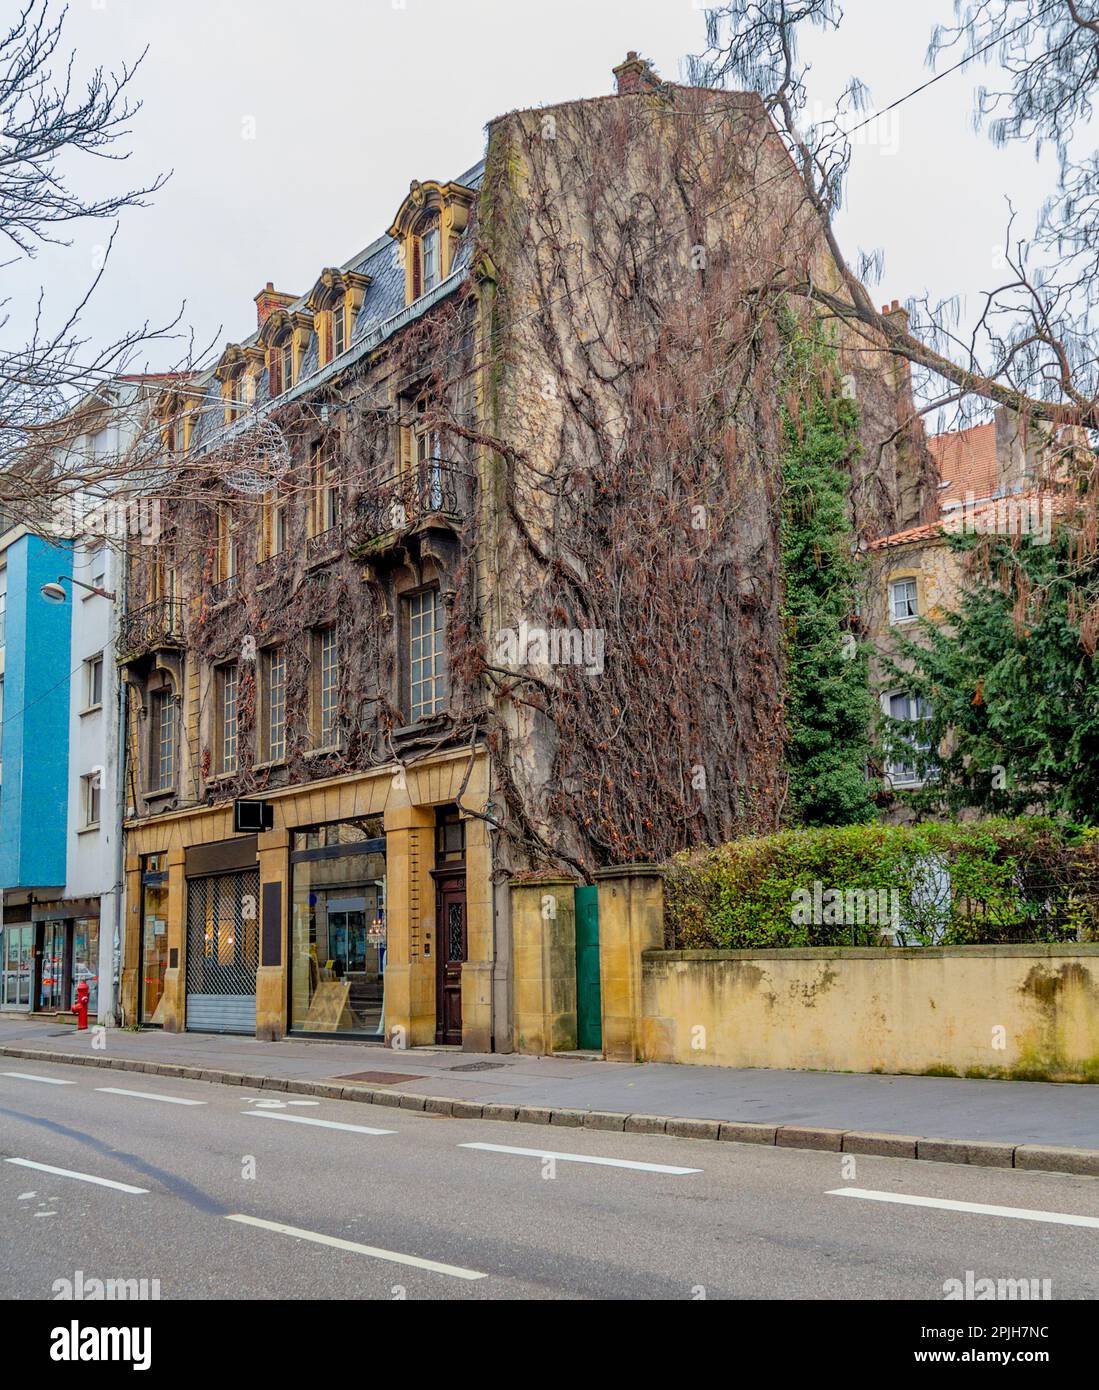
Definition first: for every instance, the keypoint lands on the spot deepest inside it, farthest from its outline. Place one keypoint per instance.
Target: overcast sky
(293, 130)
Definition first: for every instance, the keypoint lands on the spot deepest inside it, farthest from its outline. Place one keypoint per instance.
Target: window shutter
(407, 443)
(417, 268)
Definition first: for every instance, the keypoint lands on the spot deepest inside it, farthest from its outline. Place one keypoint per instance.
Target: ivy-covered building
(472, 567)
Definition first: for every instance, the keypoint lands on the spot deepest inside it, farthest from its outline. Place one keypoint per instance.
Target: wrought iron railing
(399, 503)
(271, 568)
(224, 589)
(326, 543)
(157, 624)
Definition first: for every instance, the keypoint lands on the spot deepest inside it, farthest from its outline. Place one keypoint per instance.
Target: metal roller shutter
(222, 952)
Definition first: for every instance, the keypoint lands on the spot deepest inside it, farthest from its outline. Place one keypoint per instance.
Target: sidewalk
(1000, 1113)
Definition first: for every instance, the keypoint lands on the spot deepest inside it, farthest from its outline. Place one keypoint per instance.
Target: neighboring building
(60, 815)
(471, 568)
(36, 953)
(999, 478)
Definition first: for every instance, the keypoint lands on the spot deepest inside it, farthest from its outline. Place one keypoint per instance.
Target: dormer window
(339, 327)
(429, 259)
(230, 373)
(281, 369)
(429, 226)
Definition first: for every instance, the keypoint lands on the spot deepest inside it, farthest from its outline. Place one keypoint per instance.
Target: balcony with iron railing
(156, 626)
(224, 590)
(323, 545)
(437, 492)
(271, 568)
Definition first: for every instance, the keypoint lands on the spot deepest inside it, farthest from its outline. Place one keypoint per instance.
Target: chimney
(268, 300)
(635, 75)
(888, 310)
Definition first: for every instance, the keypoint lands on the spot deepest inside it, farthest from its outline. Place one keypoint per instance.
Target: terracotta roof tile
(966, 462)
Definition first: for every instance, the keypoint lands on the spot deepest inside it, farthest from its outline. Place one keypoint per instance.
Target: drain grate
(382, 1078)
(478, 1066)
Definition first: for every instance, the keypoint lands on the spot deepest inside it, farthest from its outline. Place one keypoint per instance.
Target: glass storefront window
(154, 935)
(86, 959)
(15, 983)
(51, 975)
(337, 930)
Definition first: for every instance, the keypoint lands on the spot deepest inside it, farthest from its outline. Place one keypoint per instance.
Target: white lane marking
(393, 1256)
(263, 1104)
(81, 1177)
(45, 1080)
(147, 1095)
(582, 1158)
(1055, 1218)
(305, 1120)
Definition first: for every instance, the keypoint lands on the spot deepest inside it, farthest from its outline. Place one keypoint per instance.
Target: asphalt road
(443, 1208)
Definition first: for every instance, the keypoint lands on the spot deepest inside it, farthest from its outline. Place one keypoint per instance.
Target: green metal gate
(589, 1012)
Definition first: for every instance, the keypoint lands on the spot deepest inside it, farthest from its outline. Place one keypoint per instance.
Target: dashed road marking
(80, 1177)
(45, 1080)
(1055, 1218)
(583, 1158)
(321, 1124)
(393, 1256)
(147, 1095)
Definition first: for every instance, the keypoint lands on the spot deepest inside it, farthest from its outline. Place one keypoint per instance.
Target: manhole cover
(383, 1078)
(478, 1066)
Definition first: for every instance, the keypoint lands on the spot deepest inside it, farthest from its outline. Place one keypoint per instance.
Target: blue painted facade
(35, 735)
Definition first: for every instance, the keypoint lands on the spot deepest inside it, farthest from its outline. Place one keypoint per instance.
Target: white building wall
(94, 867)
(92, 858)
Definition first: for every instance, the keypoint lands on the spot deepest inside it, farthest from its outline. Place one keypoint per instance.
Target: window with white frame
(326, 687)
(426, 670)
(906, 750)
(93, 682)
(339, 328)
(228, 683)
(903, 600)
(3, 604)
(97, 569)
(429, 259)
(274, 704)
(162, 763)
(90, 789)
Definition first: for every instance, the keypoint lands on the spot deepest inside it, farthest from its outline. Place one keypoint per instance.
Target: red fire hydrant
(81, 1006)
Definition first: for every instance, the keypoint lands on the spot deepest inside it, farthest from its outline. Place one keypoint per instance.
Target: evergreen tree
(828, 702)
(1011, 682)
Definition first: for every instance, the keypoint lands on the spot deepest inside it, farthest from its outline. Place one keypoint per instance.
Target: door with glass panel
(52, 968)
(18, 966)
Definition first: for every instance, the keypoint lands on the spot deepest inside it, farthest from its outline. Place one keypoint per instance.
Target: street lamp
(55, 593)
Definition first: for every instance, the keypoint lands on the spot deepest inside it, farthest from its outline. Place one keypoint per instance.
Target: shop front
(337, 929)
(65, 938)
(364, 912)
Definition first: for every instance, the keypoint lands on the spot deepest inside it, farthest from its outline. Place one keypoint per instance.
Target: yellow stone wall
(1029, 1011)
(543, 925)
(631, 920)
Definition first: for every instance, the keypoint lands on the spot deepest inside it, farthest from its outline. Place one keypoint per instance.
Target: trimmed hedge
(993, 881)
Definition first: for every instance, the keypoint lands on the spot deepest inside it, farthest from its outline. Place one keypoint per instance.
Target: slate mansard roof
(382, 312)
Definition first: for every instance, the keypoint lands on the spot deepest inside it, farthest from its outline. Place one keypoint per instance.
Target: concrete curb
(979, 1153)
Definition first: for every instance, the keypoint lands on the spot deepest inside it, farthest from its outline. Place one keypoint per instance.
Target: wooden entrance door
(450, 939)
